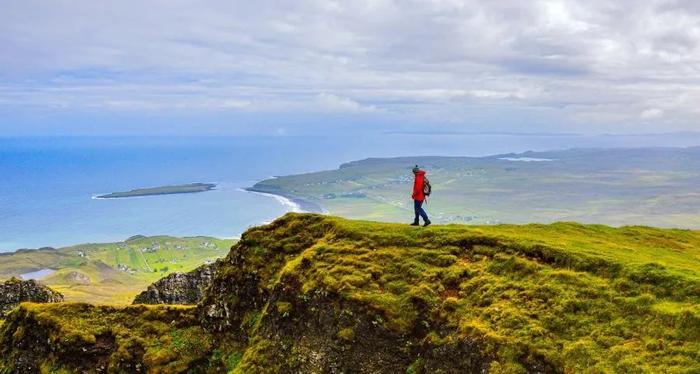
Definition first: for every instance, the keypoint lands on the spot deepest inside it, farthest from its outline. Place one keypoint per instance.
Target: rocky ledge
(179, 288)
(15, 291)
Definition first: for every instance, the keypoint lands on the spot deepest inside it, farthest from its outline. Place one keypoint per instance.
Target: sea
(48, 184)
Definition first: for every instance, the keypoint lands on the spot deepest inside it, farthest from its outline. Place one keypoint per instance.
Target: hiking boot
(427, 223)
(415, 223)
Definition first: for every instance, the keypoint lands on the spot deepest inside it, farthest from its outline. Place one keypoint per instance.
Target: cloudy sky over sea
(303, 67)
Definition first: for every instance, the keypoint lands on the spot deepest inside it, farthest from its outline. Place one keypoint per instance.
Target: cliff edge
(317, 294)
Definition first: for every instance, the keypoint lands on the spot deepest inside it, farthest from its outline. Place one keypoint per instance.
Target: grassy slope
(578, 297)
(649, 186)
(109, 284)
(167, 339)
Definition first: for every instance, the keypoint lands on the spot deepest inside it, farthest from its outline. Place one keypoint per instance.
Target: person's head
(415, 169)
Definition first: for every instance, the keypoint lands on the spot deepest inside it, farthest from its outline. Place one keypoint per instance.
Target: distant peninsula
(162, 190)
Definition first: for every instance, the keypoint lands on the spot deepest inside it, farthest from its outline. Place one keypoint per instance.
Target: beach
(292, 203)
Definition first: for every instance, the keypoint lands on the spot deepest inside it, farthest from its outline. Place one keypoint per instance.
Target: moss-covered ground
(76, 337)
(580, 297)
(565, 296)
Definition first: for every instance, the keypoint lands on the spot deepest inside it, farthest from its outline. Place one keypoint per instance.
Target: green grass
(156, 338)
(579, 297)
(116, 271)
(571, 297)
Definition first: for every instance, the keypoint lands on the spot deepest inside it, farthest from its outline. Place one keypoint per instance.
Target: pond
(39, 274)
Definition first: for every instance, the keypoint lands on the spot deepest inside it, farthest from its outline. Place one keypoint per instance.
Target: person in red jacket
(418, 197)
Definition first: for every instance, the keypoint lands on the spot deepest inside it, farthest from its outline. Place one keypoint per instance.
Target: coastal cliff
(317, 294)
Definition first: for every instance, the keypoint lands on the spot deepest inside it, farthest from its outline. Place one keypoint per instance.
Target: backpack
(427, 188)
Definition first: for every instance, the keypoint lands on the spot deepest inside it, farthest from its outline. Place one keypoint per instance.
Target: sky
(307, 67)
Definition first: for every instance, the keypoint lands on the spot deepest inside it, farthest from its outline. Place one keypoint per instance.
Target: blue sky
(305, 67)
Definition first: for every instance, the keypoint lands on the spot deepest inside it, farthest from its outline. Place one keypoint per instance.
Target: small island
(163, 190)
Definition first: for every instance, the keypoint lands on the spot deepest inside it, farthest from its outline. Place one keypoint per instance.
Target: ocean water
(47, 183)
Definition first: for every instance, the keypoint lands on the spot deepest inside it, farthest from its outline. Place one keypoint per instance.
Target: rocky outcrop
(76, 277)
(179, 288)
(15, 291)
(259, 298)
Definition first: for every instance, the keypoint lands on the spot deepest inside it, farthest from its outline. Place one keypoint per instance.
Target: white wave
(526, 159)
(290, 205)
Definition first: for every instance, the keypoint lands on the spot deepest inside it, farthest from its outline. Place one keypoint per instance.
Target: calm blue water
(37, 275)
(47, 184)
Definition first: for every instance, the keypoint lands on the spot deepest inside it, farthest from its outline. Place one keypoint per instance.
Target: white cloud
(652, 113)
(235, 104)
(336, 103)
(586, 64)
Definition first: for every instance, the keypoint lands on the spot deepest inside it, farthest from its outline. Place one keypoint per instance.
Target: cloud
(235, 104)
(652, 113)
(336, 103)
(590, 65)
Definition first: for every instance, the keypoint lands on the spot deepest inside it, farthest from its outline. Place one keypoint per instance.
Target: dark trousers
(418, 207)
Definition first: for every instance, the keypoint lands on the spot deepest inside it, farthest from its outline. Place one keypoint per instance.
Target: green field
(646, 186)
(114, 272)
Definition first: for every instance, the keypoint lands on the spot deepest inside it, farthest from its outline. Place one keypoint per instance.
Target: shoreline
(296, 204)
(293, 204)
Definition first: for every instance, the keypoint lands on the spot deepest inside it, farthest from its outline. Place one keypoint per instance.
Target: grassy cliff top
(309, 292)
(573, 296)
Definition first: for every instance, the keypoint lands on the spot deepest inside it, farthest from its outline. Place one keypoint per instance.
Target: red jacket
(418, 186)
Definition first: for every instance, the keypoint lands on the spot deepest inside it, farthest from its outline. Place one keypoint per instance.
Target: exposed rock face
(179, 288)
(15, 291)
(76, 277)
